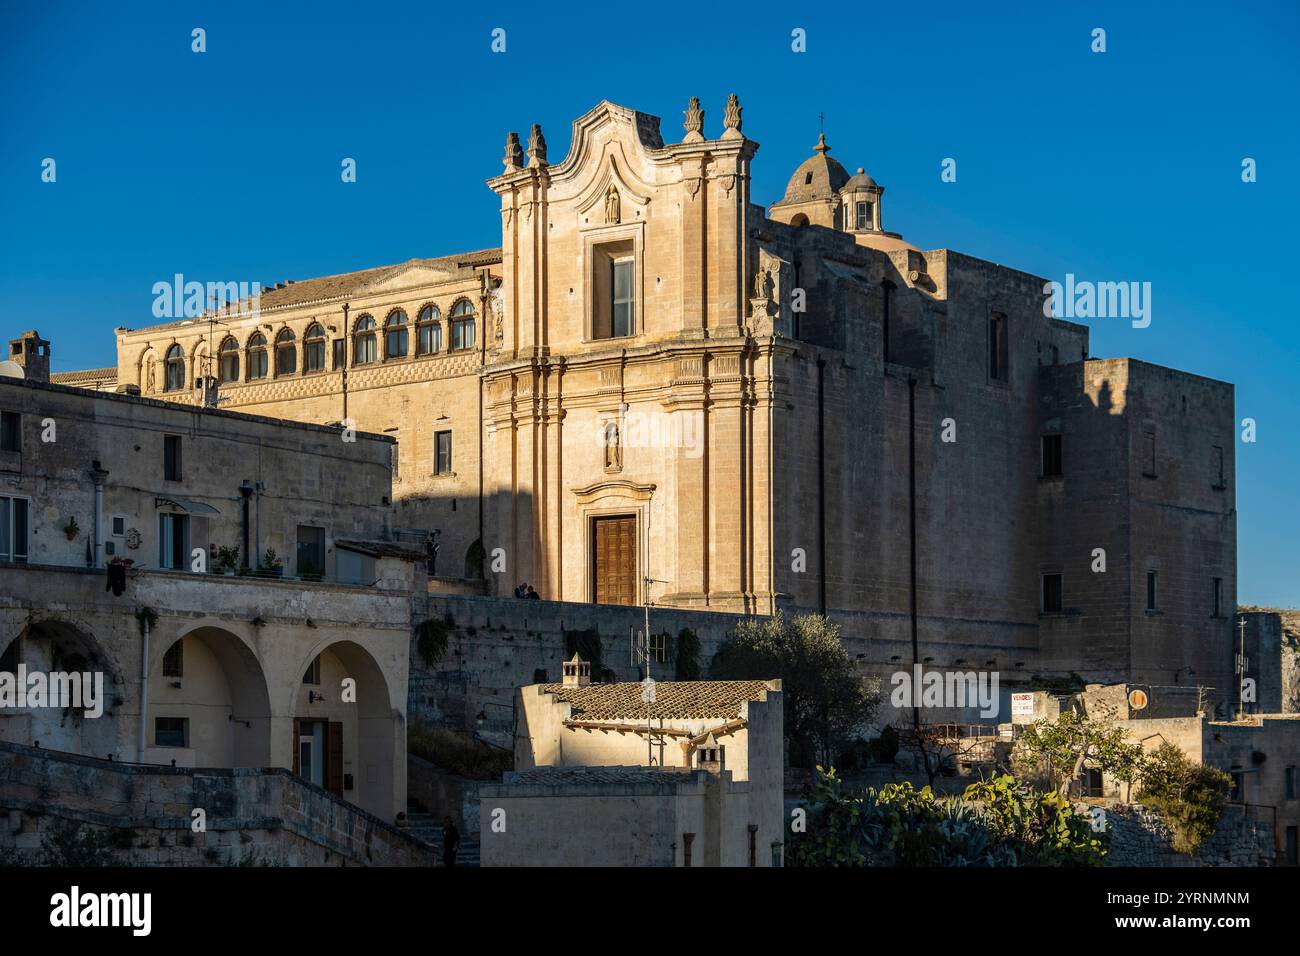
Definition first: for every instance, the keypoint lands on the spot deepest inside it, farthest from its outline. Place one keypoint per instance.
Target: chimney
(577, 672)
(31, 352)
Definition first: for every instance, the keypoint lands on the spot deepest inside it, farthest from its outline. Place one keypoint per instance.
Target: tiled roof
(595, 776)
(84, 375)
(685, 700)
(383, 549)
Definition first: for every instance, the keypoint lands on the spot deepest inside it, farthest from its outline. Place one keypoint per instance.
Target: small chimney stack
(33, 353)
(577, 672)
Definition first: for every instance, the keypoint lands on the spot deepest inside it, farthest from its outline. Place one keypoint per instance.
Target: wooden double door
(613, 559)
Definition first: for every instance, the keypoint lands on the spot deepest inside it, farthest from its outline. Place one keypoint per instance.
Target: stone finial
(694, 122)
(514, 157)
(731, 118)
(536, 147)
(822, 146)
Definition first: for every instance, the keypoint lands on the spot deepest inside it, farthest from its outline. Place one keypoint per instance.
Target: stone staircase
(427, 828)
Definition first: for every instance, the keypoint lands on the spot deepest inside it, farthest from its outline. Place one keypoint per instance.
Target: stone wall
(498, 644)
(253, 816)
(1140, 838)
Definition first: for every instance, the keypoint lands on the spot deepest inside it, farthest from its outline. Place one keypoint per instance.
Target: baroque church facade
(657, 390)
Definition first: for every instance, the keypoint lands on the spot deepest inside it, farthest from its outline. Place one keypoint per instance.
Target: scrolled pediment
(614, 488)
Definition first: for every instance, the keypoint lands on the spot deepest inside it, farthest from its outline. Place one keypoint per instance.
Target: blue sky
(1117, 166)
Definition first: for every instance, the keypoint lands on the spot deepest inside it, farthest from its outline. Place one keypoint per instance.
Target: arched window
(174, 379)
(257, 363)
(286, 353)
(363, 341)
(462, 325)
(395, 341)
(229, 354)
(313, 349)
(428, 329)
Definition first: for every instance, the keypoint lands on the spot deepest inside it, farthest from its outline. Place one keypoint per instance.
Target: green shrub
(431, 639)
(1189, 797)
(458, 753)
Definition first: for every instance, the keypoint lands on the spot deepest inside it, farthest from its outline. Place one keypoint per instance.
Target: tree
(1074, 741)
(1189, 797)
(936, 746)
(825, 699)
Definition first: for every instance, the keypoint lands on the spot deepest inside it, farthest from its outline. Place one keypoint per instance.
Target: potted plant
(227, 560)
(271, 564)
(71, 529)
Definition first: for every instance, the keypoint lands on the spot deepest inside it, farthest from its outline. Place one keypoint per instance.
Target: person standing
(450, 842)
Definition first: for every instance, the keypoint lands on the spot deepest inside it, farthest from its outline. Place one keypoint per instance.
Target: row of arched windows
(257, 354)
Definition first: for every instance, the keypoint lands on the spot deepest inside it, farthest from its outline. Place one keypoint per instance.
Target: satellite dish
(11, 369)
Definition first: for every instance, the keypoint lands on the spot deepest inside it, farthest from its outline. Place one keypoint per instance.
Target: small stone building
(605, 777)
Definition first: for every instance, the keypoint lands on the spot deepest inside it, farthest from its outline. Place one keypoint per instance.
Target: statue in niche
(763, 284)
(613, 212)
(613, 447)
(150, 381)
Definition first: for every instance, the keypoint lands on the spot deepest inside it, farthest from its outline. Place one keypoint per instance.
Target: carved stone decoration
(731, 118)
(613, 213)
(536, 147)
(151, 382)
(694, 122)
(497, 306)
(763, 285)
(514, 157)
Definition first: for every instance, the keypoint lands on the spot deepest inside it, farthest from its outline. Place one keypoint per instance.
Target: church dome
(860, 180)
(818, 177)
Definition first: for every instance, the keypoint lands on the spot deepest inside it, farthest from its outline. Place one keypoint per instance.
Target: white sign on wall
(1022, 705)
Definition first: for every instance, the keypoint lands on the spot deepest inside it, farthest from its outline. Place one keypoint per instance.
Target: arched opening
(347, 735)
(395, 337)
(363, 341)
(175, 370)
(286, 353)
(462, 325)
(229, 363)
(257, 360)
(800, 219)
(88, 725)
(208, 702)
(313, 346)
(429, 331)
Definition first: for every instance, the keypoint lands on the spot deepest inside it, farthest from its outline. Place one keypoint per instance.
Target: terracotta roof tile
(686, 700)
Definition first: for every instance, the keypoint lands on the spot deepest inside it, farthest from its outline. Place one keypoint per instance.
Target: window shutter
(334, 760)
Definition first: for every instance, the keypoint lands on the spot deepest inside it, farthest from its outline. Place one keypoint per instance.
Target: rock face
(1140, 838)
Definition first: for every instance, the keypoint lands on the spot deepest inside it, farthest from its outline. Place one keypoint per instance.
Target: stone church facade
(657, 389)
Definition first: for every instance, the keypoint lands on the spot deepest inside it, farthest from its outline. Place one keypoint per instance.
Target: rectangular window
(1290, 783)
(1053, 593)
(998, 347)
(442, 453)
(11, 431)
(312, 676)
(173, 541)
(174, 660)
(613, 299)
(1216, 466)
(1216, 597)
(171, 732)
(1149, 454)
(1151, 590)
(340, 353)
(864, 218)
(885, 319)
(1051, 456)
(688, 840)
(13, 529)
(172, 458)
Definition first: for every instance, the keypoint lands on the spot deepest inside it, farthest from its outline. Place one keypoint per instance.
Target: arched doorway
(347, 735)
(208, 702)
(51, 648)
